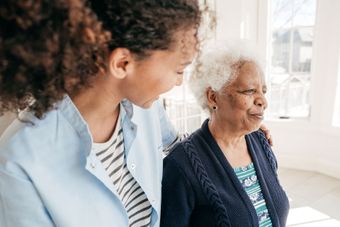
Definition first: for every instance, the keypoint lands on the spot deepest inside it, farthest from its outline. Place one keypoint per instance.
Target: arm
(170, 137)
(20, 204)
(177, 196)
(169, 134)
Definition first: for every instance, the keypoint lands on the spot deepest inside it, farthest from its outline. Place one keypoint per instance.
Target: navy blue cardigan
(200, 187)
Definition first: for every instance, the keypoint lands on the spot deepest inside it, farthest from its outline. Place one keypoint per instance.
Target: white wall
(236, 19)
(315, 144)
(311, 144)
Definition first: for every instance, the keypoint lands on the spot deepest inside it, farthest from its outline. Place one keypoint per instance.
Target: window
(336, 117)
(292, 28)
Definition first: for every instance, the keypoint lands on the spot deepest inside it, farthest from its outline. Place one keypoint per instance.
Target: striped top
(132, 196)
(250, 183)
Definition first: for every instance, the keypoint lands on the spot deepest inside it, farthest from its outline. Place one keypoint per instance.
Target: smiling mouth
(258, 116)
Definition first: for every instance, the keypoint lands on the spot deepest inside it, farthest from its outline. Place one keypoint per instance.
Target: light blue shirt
(50, 177)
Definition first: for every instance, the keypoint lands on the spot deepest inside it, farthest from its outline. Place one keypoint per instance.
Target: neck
(99, 107)
(231, 142)
(225, 135)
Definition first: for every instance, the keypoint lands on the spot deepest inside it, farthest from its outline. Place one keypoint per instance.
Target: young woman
(87, 149)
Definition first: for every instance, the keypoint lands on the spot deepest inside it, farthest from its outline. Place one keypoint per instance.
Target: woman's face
(241, 104)
(162, 70)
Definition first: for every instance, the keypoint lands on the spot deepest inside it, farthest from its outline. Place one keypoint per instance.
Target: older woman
(225, 173)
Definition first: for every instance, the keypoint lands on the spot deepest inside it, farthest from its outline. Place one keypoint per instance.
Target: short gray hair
(216, 66)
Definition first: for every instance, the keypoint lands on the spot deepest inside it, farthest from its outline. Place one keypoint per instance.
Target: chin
(254, 125)
(256, 128)
(145, 104)
(253, 128)
(148, 104)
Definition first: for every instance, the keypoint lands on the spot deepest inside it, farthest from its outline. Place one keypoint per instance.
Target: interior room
(300, 42)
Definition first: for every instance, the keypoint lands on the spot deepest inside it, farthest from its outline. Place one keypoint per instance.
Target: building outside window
(292, 30)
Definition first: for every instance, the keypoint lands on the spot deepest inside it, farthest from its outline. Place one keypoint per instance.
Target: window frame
(267, 7)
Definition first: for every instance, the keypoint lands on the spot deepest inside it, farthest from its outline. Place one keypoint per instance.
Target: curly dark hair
(49, 48)
(145, 25)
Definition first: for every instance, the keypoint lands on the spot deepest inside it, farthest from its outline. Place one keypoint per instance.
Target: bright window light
(309, 217)
(292, 32)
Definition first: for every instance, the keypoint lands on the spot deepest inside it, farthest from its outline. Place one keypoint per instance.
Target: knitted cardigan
(200, 187)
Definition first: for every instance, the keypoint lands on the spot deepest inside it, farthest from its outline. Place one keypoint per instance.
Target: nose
(261, 101)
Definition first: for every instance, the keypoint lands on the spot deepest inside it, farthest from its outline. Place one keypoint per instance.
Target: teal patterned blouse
(248, 179)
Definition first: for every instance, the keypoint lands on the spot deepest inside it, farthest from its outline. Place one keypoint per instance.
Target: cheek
(237, 103)
(156, 78)
(166, 79)
(164, 82)
(232, 100)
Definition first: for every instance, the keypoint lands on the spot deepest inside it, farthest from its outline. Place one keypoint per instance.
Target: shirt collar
(127, 108)
(75, 119)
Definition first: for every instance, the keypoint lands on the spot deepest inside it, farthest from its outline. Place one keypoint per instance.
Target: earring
(214, 107)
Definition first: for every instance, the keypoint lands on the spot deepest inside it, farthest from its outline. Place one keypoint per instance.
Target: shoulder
(26, 124)
(180, 150)
(177, 156)
(264, 147)
(258, 134)
(184, 156)
(259, 138)
(178, 173)
(179, 159)
(29, 134)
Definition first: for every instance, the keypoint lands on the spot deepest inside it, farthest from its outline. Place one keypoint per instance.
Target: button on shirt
(50, 177)
(111, 155)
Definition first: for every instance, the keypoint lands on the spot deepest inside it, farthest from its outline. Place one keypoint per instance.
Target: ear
(119, 62)
(211, 97)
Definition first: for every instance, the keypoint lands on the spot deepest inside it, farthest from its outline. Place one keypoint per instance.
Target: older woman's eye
(249, 91)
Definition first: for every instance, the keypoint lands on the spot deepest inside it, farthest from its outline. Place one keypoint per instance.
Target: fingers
(266, 132)
(270, 140)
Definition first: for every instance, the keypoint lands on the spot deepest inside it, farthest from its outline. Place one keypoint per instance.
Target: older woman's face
(241, 104)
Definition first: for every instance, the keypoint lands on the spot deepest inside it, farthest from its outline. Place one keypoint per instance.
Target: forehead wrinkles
(235, 72)
(237, 69)
(249, 68)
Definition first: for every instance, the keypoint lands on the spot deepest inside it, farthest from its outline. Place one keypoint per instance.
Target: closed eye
(249, 91)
